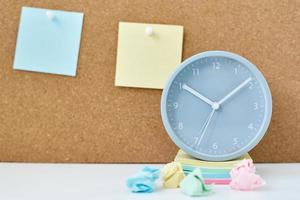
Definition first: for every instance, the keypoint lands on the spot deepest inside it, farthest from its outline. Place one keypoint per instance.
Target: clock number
(250, 126)
(180, 85)
(196, 71)
(255, 105)
(215, 146)
(235, 141)
(175, 105)
(216, 65)
(235, 71)
(180, 125)
(196, 140)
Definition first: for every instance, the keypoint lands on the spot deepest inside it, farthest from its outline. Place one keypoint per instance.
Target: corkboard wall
(51, 118)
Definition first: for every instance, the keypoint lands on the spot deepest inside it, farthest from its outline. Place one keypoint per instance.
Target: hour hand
(197, 94)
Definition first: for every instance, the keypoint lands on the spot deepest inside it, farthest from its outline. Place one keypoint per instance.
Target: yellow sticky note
(172, 175)
(147, 54)
(186, 159)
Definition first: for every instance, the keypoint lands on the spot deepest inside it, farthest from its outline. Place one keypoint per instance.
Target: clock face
(216, 106)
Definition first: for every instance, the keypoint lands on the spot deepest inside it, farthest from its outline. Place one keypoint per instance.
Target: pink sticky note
(217, 181)
(244, 177)
(245, 164)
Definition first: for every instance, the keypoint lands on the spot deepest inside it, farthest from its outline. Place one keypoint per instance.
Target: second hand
(204, 128)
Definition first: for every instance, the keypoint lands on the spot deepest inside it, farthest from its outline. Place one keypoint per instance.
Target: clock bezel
(260, 133)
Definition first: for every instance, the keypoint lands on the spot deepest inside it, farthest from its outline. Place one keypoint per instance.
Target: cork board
(52, 118)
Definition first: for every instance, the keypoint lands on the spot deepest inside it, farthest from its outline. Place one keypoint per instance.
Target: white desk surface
(107, 181)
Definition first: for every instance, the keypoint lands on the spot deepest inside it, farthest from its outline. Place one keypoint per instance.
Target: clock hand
(204, 127)
(197, 94)
(235, 90)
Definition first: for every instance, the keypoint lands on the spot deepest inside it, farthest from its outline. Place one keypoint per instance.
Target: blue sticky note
(48, 41)
(144, 181)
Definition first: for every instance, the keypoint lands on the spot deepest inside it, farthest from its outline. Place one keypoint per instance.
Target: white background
(108, 181)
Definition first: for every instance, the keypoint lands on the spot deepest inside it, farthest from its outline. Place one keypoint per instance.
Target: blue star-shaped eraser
(48, 41)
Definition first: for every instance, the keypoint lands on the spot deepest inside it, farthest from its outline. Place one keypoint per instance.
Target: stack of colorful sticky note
(213, 172)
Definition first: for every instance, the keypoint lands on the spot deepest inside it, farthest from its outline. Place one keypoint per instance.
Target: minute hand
(235, 90)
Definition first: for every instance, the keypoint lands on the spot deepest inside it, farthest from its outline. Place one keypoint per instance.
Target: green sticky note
(147, 60)
(193, 184)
